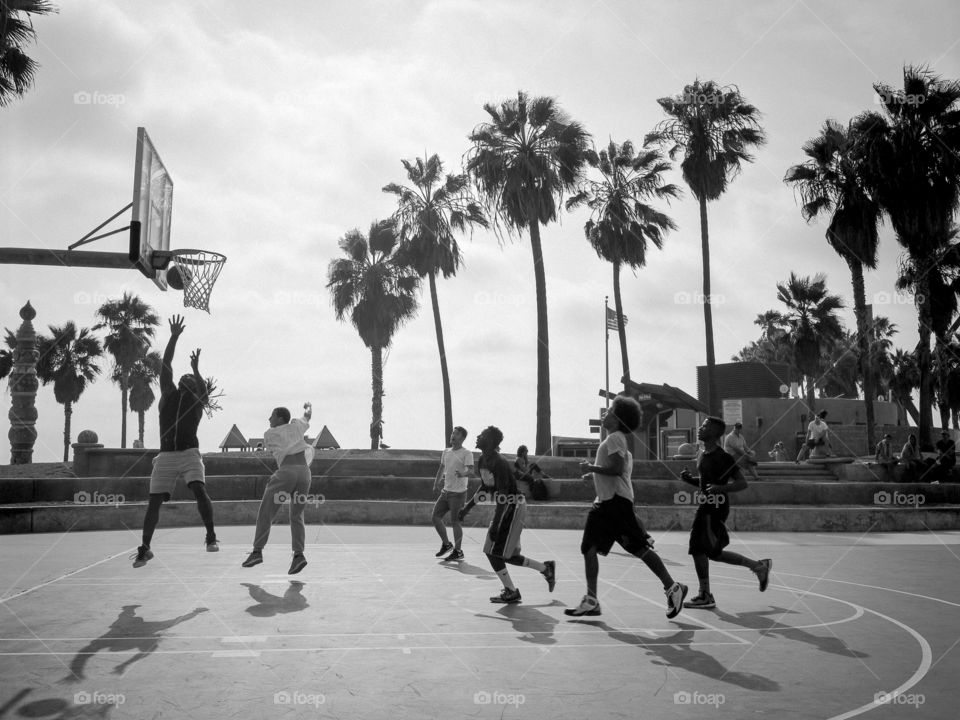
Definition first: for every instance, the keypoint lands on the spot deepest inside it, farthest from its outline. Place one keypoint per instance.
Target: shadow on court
(759, 620)
(676, 651)
(468, 569)
(269, 605)
(127, 632)
(530, 624)
(53, 708)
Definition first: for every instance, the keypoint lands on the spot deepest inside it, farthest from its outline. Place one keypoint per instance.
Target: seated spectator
(911, 460)
(884, 457)
(736, 446)
(946, 457)
(778, 453)
(525, 471)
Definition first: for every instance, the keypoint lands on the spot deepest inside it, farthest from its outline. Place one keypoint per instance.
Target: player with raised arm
(181, 407)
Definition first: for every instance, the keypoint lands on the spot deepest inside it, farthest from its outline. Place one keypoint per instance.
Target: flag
(612, 320)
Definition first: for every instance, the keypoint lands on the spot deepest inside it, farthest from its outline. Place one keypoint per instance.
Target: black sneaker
(507, 596)
(213, 545)
(763, 573)
(456, 555)
(444, 549)
(702, 600)
(550, 573)
(143, 555)
(298, 564)
(254, 558)
(675, 597)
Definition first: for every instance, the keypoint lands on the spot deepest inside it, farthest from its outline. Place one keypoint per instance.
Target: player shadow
(532, 625)
(127, 632)
(466, 568)
(676, 650)
(269, 605)
(758, 620)
(54, 708)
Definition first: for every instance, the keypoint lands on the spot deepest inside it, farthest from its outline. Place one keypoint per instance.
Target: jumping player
(719, 476)
(181, 407)
(502, 545)
(455, 465)
(612, 517)
(291, 481)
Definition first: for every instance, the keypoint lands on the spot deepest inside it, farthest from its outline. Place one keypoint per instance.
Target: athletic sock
(535, 564)
(504, 576)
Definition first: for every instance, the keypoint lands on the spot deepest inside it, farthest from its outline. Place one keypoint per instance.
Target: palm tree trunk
(925, 313)
(621, 330)
(710, 392)
(864, 335)
(811, 386)
(140, 416)
(942, 365)
(543, 440)
(444, 374)
(123, 413)
(67, 412)
(377, 405)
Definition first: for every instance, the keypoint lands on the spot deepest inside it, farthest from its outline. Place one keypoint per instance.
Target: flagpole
(606, 330)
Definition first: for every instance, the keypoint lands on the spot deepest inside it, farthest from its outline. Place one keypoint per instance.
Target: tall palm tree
(715, 128)
(622, 221)
(831, 181)
(143, 376)
(906, 379)
(68, 360)
(913, 171)
(812, 318)
(428, 214)
(881, 352)
(17, 69)
(377, 292)
(130, 325)
(523, 161)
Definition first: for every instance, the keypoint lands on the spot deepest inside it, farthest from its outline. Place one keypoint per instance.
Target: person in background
(884, 457)
(779, 452)
(735, 445)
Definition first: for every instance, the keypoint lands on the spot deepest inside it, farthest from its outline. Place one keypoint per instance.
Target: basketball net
(199, 270)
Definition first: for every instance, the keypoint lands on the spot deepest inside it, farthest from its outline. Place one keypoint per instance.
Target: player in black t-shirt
(181, 407)
(719, 476)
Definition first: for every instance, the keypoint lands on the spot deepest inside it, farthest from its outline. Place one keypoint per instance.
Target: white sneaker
(675, 596)
(588, 606)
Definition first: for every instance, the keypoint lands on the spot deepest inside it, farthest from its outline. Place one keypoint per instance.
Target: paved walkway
(375, 627)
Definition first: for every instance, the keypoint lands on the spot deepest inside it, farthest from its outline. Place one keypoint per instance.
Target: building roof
(325, 440)
(234, 439)
(660, 397)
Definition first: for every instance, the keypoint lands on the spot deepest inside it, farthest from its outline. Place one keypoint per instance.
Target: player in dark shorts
(502, 545)
(612, 519)
(719, 476)
(181, 407)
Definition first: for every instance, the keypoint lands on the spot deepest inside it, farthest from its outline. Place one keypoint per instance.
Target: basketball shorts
(503, 536)
(611, 521)
(709, 536)
(169, 467)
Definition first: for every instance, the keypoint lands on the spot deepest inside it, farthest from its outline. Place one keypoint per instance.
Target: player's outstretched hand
(308, 406)
(685, 475)
(176, 325)
(195, 360)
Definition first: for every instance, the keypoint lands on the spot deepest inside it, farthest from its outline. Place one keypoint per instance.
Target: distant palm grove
(528, 161)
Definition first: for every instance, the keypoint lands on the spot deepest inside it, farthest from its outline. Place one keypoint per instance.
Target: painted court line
(64, 576)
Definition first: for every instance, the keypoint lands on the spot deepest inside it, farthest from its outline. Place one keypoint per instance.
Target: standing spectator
(817, 437)
(946, 457)
(736, 446)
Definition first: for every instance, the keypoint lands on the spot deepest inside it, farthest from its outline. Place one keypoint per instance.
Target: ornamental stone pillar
(23, 390)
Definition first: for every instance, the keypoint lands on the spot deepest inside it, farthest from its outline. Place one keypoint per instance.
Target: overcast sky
(281, 124)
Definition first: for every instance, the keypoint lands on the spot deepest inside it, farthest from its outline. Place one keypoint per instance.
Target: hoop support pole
(65, 258)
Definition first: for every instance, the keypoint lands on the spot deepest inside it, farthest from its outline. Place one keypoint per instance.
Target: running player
(290, 482)
(719, 476)
(502, 545)
(181, 407)
(612, 517)
(455, 465)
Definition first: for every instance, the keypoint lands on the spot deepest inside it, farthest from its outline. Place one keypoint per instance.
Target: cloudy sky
(280, 129)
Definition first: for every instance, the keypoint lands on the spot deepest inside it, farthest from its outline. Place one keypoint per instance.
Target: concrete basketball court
(376, 627)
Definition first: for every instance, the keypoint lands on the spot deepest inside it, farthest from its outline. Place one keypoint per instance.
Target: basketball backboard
(152, 210)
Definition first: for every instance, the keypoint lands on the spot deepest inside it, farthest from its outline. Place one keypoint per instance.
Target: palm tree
(17, 69)
(523, 161)
(905, 379)
(6, 356)
(881, 347)
(831, 181)
(621, 220)
(68, 360)
(912, 170)
(144, 374)
(428, 215)
(813, 322)
(379, 294)
(130, 324)
(715, 128)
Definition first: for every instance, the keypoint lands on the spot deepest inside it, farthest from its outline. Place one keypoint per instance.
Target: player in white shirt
(456, 464)
(291, 481)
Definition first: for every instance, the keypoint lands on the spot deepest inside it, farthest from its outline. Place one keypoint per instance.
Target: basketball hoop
(199, 270)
